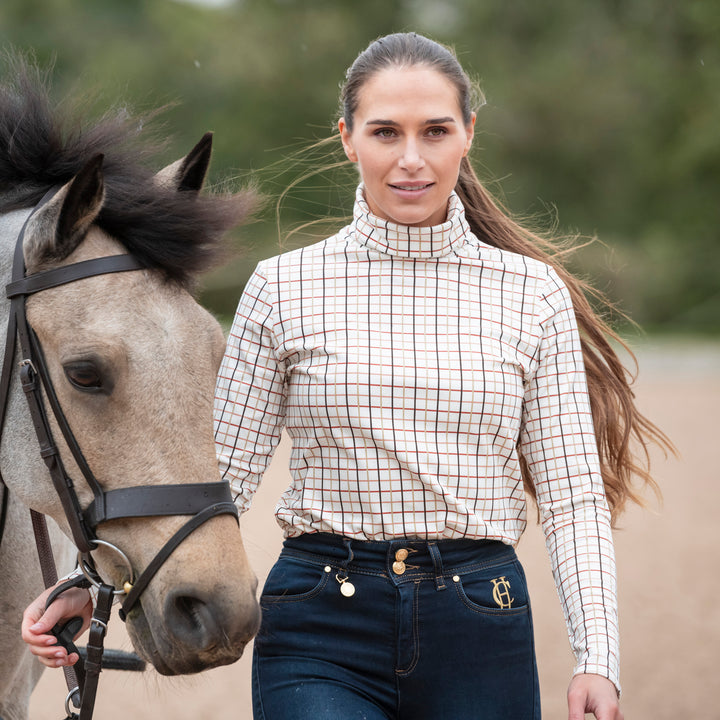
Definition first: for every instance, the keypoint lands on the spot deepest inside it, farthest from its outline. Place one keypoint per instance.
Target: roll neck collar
(408, 241)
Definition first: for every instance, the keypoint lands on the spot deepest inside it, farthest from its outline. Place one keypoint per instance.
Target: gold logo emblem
(501, 592)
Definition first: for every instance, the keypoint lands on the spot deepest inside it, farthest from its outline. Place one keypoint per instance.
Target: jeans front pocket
(292, 580)
(496, 590)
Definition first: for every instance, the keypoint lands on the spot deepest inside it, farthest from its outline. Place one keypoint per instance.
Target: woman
(424, 360)
(426, 363)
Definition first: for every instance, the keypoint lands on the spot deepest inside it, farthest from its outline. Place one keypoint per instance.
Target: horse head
(133, 358)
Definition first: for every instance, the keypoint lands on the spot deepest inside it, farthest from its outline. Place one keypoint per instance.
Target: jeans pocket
(497, 590)
(292, 580)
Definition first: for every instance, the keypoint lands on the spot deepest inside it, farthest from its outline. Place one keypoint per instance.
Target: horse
(132, 358)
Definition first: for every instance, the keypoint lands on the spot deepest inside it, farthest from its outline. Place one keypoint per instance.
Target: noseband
(201, 501)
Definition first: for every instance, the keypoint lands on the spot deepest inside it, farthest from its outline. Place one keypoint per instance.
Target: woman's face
(408, 140)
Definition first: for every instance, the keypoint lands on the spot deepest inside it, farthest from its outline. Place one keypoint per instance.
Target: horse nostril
(192, 620)
(191, 611)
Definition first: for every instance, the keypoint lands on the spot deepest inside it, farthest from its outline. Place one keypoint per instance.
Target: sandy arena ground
(668, 559)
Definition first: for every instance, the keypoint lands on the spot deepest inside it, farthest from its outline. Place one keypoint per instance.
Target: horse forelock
(43, 144)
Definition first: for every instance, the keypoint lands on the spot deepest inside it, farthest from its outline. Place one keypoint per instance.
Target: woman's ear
(346, 140)
(470, 130)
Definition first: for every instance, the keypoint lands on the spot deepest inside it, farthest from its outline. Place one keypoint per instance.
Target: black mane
(43, 144)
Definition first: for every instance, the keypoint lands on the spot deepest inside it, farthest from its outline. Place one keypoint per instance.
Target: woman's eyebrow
(431, 121)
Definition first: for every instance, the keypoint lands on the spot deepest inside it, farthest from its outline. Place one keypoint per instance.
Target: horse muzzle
(193, 630)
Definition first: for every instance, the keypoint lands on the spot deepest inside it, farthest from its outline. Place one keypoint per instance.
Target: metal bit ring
(90, 574)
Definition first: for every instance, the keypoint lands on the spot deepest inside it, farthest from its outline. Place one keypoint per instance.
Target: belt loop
(347, 542)
(346, 588)
(437, 562)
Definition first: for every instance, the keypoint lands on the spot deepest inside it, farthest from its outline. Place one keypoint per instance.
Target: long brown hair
(623, 434)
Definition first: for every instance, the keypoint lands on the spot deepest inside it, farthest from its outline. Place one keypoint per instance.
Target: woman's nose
(411, 158)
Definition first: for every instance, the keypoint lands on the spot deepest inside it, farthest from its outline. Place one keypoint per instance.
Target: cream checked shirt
(410, 366)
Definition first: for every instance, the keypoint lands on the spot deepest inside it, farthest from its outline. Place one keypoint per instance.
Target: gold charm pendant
(346, 587)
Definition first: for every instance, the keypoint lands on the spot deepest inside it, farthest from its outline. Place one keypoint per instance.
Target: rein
(201, 501)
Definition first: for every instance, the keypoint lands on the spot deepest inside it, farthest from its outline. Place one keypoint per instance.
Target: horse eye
(84, 376)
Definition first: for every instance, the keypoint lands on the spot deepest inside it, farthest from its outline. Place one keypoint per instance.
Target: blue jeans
(433, 630)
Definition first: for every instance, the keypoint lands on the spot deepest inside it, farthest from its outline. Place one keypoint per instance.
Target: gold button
(398, 567)
(401, 554)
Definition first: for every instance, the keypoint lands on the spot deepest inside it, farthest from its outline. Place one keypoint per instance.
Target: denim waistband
(420, 558)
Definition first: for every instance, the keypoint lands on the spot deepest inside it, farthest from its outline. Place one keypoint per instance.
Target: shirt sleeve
(558, 442)
(250, 395)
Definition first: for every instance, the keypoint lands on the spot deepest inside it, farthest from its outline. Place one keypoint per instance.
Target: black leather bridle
(201, 501)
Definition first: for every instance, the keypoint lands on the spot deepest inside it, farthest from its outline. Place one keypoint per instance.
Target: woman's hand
(593, 694)
(37, 622)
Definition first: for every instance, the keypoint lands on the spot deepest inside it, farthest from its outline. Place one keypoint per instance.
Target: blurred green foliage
(602, 117)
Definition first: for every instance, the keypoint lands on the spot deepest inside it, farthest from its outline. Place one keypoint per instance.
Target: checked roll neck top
(410, 242)
(413, 368)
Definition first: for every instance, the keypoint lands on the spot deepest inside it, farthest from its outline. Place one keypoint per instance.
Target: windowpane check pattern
(411, 368)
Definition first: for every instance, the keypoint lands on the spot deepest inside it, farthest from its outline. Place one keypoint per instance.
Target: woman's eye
(84, 376)
(385, 133)
(437, 131)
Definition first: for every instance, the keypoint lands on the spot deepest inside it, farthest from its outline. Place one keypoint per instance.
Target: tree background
(601, 117)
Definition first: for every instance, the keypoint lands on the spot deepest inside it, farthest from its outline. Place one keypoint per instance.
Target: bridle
(201, 501)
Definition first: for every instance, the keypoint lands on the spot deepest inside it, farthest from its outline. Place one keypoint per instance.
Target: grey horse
(133, 359)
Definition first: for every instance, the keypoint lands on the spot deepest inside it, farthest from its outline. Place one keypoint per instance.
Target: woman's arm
(250, 393)
(558, 443)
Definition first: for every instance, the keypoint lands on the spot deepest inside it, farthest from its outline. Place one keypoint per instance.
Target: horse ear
(188, 173)
(61, 225)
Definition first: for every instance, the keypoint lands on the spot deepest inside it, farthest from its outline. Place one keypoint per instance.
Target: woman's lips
(411, 187)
